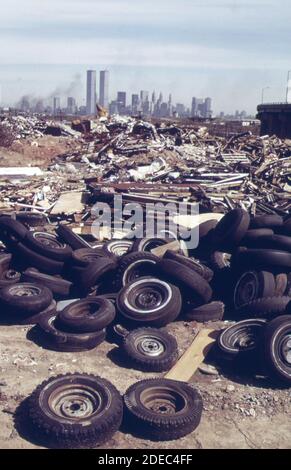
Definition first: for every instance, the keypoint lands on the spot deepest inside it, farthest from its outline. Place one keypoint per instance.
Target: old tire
(133, 266)
(277, 348)
(213, 311)
(281, 285)
(245, 259)
(75, 410)
(231, 229)
(253, 285)
(150, 349)
(253, 236)
(62, 339)
(266, 221)
(32, 259)
(67, 235)
(163, 409)
(48, 245)
(36, 318)
(149, 301)
(191, 263)
(84, 256)
(59, 287)
(117, 248)
(94, 272)
(193, 285)
(266, 307)
(148, 244)
(88, 315)
(26, 298)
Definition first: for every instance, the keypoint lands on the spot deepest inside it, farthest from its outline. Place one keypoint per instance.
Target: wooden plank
(187, 365)
(68, 203)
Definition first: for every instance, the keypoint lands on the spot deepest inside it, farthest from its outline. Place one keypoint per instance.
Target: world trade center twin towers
(91, 90)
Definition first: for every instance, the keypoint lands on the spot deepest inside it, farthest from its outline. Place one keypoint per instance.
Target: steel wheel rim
(163, 400)
(150, 346)
(75, 402)
(48, 240)
(148, 298)
(246, 289)
(285, 349)
(25, 291)
(120, 248)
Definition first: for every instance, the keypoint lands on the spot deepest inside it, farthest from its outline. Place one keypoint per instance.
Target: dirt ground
(240, 410)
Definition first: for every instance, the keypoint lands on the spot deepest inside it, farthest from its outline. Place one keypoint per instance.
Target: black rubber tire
(35, 319)
(191, 263)
(11, 232)
(133, 266)
(63, 340)
(276, 347)
(57, 285)
(219, 260)
(253, 236)
(191, 283)
(245, 259)
(27, 298)
(266, 221)
(213, 311)
(281, 284)
(167, 310)
(88, 315)
(267, 307)
(69, 432)
(286, 229)
(47, 245)
(35, 260)
(117, 248)
(67, 235)
(242, 339)
(8, 275)
(231, 229)
(31, 219)
(84, 256)
(273, 242)
(253, 285)
(206, 227)
(148, 244)
(150, 349)
(184, 405)
(94, 272)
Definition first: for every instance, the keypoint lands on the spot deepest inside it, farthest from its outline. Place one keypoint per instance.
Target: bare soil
(240, 410)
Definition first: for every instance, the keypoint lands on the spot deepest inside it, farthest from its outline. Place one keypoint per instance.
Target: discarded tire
(73, 239)
(150, 349)
(231, 229)
(219, 260)
(273, 242)
(92, 274)
(253, 285)
(11, 231)
(266, 221)
(75, 410)
(31, 219)
(148, 244)
(253, 236)
(266, 307)
(191, 283)
(133, 266)
(47, 245)
(149, 301)
(36, 318)
(88, 315)
(163, 409)
(117, 247)
(261, 259)
(32, 259)
(26, 298)
(84, 256)
(213, 311)
(281, 285)
(277, 348)
(191, 263)
(57, 285)
(8, 275)
(242, 339)
(63, 340)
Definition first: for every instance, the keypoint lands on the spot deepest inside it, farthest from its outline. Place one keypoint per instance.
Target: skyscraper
(57, 104)
(144, 96)
(104, 88)
(91, 92)
(121, 101)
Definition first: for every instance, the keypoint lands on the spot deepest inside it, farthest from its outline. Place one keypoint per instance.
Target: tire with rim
(36, 318)
(266, 307)
(117, 247)
(260, 259)
(88, 315)
(193, 286)
(231, 229)
(8, 275)
(149, 301)
(191, 263)
(75, 410)
(48, 245)
(133, 266)
(25, 297)
(94, 272)
(150, 349)
(67, 235)
(11, 231)
(163, 409)
(277, 348)
(213, 311)
(242, 339)
(253, 285)
(62, 339)
(31, 219)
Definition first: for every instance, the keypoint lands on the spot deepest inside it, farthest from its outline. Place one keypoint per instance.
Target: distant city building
(135, 104)
(201, 108)
(91, 92)
(71, 105)
(144, 96)
(121, 102)
(56, 104)
(39, 106)
(104, 89)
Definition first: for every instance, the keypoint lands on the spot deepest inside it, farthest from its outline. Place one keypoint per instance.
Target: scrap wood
(187, 365)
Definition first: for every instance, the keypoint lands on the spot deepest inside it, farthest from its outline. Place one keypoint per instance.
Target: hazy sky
(226, 49)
